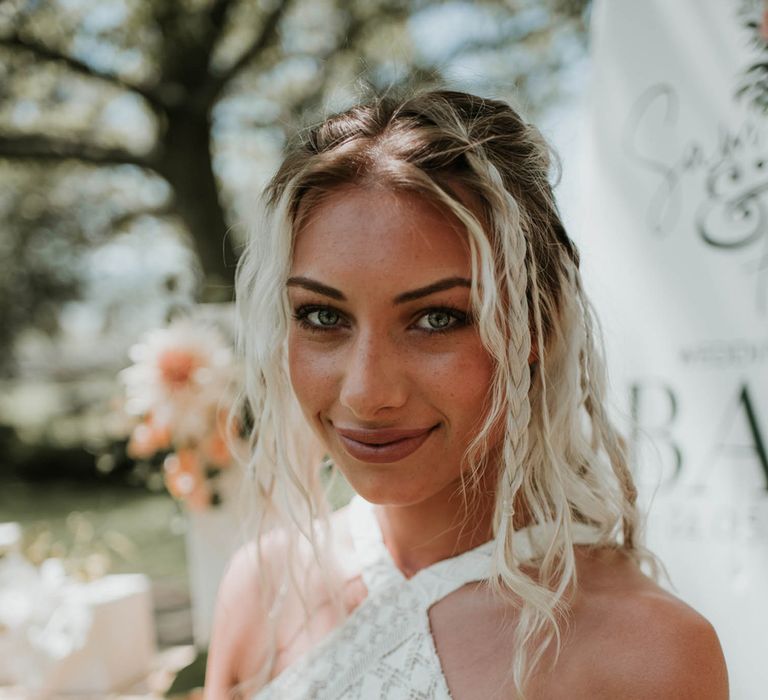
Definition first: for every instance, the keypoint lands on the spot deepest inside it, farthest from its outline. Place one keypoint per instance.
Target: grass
(121, 529)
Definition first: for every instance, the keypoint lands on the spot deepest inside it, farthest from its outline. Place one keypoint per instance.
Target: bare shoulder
(242, 604)
(646, 643)
(245, 646)
(671, 651)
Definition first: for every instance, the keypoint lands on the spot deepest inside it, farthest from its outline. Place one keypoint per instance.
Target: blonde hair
(560, 457)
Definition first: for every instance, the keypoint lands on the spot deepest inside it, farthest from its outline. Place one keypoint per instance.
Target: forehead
(376, 231)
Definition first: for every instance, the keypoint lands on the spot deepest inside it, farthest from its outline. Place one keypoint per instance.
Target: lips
(383, 445)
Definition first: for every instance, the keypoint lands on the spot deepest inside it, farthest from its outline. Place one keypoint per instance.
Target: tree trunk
(187, 165)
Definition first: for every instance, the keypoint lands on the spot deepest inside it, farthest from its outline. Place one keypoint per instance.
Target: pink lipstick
(382, 446)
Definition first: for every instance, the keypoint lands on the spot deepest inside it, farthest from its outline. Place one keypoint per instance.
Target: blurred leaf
(190, 677)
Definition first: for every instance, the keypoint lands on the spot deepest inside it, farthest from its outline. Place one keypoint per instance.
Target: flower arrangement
(180, 392)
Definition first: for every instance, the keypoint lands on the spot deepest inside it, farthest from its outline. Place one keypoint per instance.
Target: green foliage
(125, 115)
(190, 677)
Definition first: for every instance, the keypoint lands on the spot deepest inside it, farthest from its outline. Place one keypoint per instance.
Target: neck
(437, 528)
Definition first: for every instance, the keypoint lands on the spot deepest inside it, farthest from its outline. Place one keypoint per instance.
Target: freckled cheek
(314, 374)
(460, 382)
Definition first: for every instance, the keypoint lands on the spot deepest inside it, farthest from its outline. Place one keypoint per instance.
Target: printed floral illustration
(754, 82)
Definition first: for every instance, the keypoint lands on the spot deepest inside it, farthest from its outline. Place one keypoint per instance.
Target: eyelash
(302, 312)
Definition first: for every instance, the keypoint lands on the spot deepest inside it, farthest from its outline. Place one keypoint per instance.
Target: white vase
(212, 537)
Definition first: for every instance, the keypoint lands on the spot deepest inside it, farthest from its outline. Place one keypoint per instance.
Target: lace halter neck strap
(432, 583)
(378, 569)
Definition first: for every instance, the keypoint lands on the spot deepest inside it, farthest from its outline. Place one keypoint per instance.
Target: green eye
(439, 319)
(323, 317)
(319, 318)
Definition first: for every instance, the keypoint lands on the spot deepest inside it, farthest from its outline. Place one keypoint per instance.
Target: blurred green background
(135, 136)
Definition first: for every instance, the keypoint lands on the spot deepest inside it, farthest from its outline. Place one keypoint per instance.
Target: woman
(411, 307)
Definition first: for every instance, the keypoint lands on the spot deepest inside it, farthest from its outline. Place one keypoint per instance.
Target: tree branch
(514, 38)
(40, 148)
(122, 220)
(46, 53)
(264, 38)
(218, 15)
(356, 27)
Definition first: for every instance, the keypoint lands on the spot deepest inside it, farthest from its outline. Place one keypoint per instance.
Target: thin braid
(518, 382)
(519, 350)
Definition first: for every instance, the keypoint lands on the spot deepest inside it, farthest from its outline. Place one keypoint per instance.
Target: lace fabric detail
(378, 652)
(384, 650)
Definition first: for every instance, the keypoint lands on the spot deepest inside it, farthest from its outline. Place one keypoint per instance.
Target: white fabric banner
(675, 186)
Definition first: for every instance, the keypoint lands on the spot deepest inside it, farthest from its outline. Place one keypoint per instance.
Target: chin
(383, 488)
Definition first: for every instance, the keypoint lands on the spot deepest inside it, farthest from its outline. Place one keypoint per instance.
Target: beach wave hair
(560, 458)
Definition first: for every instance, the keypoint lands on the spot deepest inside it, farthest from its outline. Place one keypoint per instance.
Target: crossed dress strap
(434, 582)
(387, 641)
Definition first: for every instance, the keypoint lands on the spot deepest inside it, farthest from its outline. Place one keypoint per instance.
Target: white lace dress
(384, 650)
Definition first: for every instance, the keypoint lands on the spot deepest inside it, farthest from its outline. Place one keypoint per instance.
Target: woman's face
(387, 366)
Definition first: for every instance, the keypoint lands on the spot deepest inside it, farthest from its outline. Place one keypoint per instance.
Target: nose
(374, 380)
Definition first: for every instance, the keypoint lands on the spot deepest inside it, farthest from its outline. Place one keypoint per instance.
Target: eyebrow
(325, 290)
(439, 286)
(313, 286)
